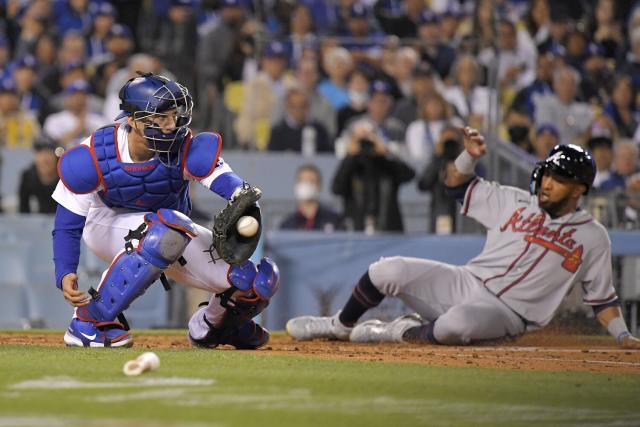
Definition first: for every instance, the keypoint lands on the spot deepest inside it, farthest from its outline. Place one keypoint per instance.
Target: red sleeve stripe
(601, 301)
(467, 199)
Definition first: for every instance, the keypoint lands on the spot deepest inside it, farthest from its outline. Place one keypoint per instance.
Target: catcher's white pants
(104, 233)
(462, 308)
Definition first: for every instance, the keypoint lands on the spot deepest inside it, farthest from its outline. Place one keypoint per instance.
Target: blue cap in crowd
(7, 85)
(72, 65)
(453, 10)
(595, 49)
(275, 49)
(77, 86)
(103, 9)
(548, 128)
(428, 17)
(380, 86)
(27, 61)
(119, 30)
(358, 10)
(232, 3)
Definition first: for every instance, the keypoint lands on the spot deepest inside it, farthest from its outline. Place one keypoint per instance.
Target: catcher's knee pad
(162, 239)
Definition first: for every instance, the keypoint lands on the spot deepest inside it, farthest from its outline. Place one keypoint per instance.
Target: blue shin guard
(162, 239)
(251, 290)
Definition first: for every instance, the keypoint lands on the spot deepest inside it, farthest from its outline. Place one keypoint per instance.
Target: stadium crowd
(384, 85)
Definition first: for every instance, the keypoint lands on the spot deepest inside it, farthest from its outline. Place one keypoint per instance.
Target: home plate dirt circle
(543, 351)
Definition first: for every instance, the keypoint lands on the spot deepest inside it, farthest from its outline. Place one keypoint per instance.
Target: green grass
(234, 388)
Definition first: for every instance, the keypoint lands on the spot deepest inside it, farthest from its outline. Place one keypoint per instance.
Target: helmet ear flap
(536, 178)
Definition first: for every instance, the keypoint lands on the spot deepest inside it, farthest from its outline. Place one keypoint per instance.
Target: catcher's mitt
(228, 243)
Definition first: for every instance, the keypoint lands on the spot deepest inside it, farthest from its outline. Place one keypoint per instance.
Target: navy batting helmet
(570, 161)
(149, 96)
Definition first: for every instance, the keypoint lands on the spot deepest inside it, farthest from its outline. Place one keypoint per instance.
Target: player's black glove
(228, 243)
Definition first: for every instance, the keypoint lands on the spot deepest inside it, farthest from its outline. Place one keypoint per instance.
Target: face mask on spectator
(306, 191)
(518, 134)
(358, 98)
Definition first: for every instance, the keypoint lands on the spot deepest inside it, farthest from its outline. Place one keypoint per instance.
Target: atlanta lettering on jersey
(537, 233)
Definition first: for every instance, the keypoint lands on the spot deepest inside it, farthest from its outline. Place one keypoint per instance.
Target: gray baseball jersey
(530, 260)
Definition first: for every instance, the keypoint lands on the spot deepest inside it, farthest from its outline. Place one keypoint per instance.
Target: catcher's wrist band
(466, 164)
(618, 329)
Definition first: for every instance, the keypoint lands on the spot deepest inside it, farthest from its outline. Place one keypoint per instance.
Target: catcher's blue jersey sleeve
(67, 233)
(225, 184)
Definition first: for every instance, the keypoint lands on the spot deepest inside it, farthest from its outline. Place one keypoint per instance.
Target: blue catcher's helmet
(567, 160)
(152, 98)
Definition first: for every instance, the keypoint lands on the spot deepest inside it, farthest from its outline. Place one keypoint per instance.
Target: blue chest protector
(146, 186)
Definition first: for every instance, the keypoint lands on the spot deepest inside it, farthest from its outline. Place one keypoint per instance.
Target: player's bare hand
(630, 342)
(474, 142)
(71, 293)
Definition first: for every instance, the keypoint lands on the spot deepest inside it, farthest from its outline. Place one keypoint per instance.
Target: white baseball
(247, 226)
(148, 361)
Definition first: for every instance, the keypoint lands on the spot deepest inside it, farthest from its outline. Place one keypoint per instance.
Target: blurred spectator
(24, 74)
(450, 25)
(577, 44)
(46, 50)
(295, 132)
(38, 181)
(263, 96)
(607, 31)
(104, 17)
(423, 134)
(359, 38)
(622, 107)
(515, 58)
(75, 121)
(225, 36)
(302, 33)
(72, 15)
(540, 86)
(482, 30)
(601, 149)
(518, 124)
(469, 98)
(546, 138)
(337, 63)
(175, 41)
(632, 59)
(538, 21)
(625, 165)
(73, 48)
(310, 213)
(389, 130)
(572, 118)
(423, 83)
(399, 18)
(596, 75)
(368, 180)
(406, 60)
(119, 48)
(18, 128)
(603, 125)
(432, 50)
(559, 28)
(307, 77)
(358, 86)
(33, 23)
(443, 208)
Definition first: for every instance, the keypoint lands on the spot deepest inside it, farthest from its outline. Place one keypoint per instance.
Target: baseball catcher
(125, 191)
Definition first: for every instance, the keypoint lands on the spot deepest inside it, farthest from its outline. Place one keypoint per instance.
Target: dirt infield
(545, 351)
